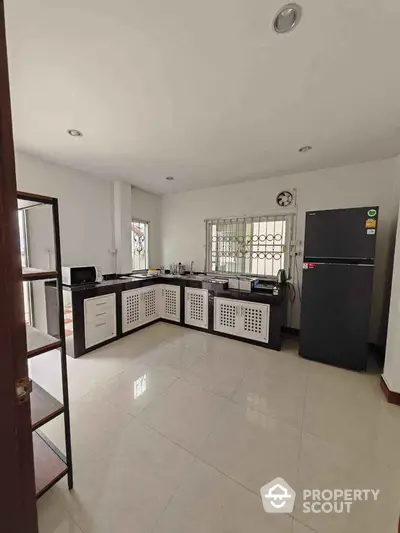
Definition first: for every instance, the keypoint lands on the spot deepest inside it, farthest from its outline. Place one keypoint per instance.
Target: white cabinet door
(170, 302)
(149, 304)
(100, 319)
(196, 307)
(255, 321)
(227, 316)
(242, 319)
(131, 309)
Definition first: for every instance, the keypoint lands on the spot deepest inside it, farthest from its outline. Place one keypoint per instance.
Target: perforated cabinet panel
(196, 307)
(242, 319)
(170, 302)
(255, 321)
(150, 304)
(226, 315)
(130, 309)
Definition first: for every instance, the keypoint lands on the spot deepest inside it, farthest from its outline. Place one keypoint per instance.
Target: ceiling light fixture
(287, 18)
(75, 133)
(305, 149)
(169, 178)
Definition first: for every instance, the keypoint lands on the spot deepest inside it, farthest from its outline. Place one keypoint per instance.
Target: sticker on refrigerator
(372, 213)
(370, 232)
(306, 266)
(370, 223)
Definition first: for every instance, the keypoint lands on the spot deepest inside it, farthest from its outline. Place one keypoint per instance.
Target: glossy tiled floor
(176, 430)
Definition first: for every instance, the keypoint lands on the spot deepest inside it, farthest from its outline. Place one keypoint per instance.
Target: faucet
(191, 267)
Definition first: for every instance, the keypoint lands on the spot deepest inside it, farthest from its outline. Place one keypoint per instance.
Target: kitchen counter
(195, 281)
(74, 306)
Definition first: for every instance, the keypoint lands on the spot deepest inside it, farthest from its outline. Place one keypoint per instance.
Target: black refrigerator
(338, 271)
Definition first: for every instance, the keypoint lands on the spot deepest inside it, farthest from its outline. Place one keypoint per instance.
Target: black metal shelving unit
(50, 463)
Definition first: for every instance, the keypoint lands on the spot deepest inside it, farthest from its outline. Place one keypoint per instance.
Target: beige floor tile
(252, 448)
(176, 357)
(129, 477)
(274, 395)
(220, 372)
(129, 484)
(298, 527)
(184, 413)
(285, 364)
(362, 422)
(52, 516)
(325, 465)
(135, 388)
(208, 501)
(93, 423)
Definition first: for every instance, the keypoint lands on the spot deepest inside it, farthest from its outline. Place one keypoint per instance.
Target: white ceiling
(203, 90)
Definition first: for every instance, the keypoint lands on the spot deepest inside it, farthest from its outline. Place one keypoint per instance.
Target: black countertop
(218, 290)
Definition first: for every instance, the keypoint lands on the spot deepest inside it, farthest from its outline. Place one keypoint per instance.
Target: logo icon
(372, 213)
(277, 496)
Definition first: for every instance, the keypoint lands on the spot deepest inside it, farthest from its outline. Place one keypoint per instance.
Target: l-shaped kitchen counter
(273, 309)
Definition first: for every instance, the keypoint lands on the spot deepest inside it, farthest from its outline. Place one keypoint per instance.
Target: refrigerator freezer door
(342, 234)
(335, 314)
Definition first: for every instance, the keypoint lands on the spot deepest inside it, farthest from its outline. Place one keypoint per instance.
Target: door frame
(18, 495)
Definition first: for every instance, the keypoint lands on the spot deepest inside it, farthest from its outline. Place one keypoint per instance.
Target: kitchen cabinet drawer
(100, 319)
(99, 304)
(196, 307)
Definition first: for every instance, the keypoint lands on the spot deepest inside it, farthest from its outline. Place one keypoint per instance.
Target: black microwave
(78, 275)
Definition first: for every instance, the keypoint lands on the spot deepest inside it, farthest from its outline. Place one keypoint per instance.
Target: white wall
(85, 206)
(391, 371)
(123, 227)
(147, 207)
(183, 214)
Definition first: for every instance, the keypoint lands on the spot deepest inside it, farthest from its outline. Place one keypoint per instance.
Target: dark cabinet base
(76, 339)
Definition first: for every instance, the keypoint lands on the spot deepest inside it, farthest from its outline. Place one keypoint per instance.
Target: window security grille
(254, 246)
(140, 254)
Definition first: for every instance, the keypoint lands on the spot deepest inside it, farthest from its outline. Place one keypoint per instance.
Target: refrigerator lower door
(335, 314)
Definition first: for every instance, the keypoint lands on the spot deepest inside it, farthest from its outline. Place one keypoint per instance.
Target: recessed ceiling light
(75, 133)
(169, 178)
(287, 18)
(305, 149)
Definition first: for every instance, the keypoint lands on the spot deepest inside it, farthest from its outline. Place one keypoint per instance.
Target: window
(140, 241)
(23, 241)
(257, 246)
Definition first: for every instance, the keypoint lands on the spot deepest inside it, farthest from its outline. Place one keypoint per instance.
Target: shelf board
(34, 198)
(27, 204)
(44, 407)
(32, 274)
(49, 467)
(39, 342)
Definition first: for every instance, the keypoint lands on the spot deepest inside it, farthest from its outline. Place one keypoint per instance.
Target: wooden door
(17, 494)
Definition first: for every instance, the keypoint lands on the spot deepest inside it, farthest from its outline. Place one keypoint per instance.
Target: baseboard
(286, 330)
(392, 397)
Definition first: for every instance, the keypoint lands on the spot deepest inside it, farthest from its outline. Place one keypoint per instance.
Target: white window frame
(27, 285)
(236, 222)
(146, 240)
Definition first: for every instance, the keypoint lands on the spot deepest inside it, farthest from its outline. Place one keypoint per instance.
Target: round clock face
(284, 198)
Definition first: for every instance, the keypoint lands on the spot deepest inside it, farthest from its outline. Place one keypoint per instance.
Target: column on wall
(391, 372)
(122, 226)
